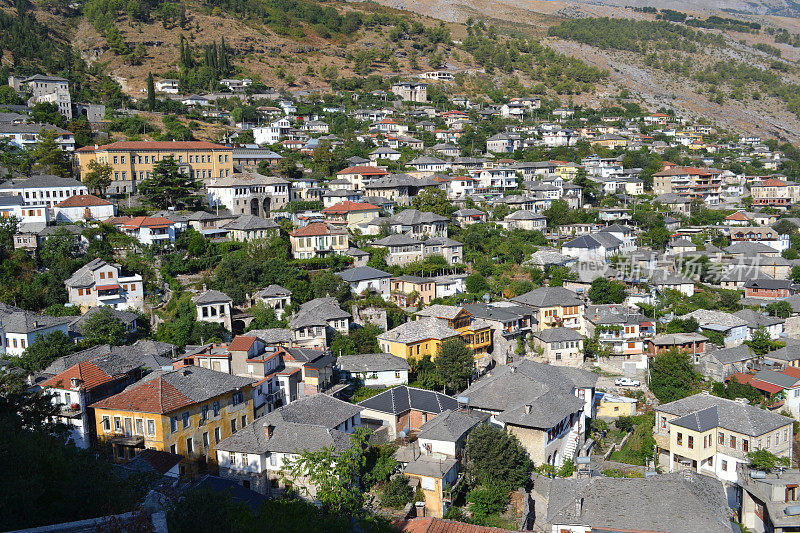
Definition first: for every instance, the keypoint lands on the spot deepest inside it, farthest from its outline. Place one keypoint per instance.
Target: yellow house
(612, 406)
(476, 333)
(417, 338)
(185, 411)
(436, 476)
(412, 290)
(566, 170)
(555, 307)
(319, 239)
(133, 161)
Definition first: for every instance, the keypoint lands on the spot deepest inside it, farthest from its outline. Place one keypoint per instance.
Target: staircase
(572, 443)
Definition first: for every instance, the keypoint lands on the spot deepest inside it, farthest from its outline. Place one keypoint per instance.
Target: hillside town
(395, 310)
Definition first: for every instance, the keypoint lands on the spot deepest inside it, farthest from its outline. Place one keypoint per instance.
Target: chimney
(186, 371)
(204, 287)
(75, 383)
(578, 507)
(528, 409)
(268, 430)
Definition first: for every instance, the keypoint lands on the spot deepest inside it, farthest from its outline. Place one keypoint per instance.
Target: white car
(627, 382)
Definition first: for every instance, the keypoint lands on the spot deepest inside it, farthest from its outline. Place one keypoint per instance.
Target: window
(173, 424)
(768, 439)
(189, 445)
(205, 439)
(233, 459)
(173, 448)
(237, 397)
(691, 442)
(733, 442)
(106, 423)
(139, 426)
(151, 427)
(273, 460)
(204, 414)
(680, 439)
(244, 420)
(724, 465)
(117, 423)
(233, 426)
(215, 406)
(721, 438)
(745, 445)
(245, 461)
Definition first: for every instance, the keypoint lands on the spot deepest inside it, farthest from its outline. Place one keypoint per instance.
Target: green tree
(48, 155)
(334, 474)
(454, 364)
(102, 327)
(44, 350)
(9, 96)
(487, 501)
(264, 318)
(98, 176)
(760, 341)
(558, 214)
(672, 376)
(606, 291)
(495, 457)
(326, 283)
(766, 460)
(151, 92)
(781, 309)
(397, 493)
(476, 284)
(434, 201)
(169, 187)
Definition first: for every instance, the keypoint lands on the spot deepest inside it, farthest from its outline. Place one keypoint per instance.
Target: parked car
(627, 382)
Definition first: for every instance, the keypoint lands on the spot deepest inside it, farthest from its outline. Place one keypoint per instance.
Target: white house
(596, 247)
(273, 133)
(214, 306)
(99, 283)
(83, 207)
(367, 279)
(374, 370)
(167, 86)
(43, 189)
(19, 328)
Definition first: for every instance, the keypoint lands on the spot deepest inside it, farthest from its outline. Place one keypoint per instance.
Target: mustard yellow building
(133, 161)
(185, 411)
(476, 333)
(555, 307)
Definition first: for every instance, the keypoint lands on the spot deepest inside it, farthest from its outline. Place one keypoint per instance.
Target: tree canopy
(454, 364)
(495, 457)
(169, 186)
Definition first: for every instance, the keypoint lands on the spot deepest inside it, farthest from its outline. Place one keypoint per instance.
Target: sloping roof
(87, 372)
(241, 343)
(316, 229)
(549, 297)
(558, 335)
(272, 291)
(156, 145)
(164, 392)
(251, 223)
(398, 400)
(410, 217)
(732, 415)
(448, 312)
(364, 170)
(419, 330)
(373, 362)
(348, 207)
(149, 460)
(451, 425)
(440, 525)
(82, 200)
(363, 273)
(210, 297)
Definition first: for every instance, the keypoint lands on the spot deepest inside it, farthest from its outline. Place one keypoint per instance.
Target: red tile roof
(771, 182)
(241, 343)
(792, 371)
(83, 200)
(347, 206)
(162, 462)
(155, 145)
(364, 170)
(744, 379)
(107, 287)
(148, 222)
(737, 216)
(440, 525)
(87, 372)
(154, 396)
(314, 229)
(771, 388)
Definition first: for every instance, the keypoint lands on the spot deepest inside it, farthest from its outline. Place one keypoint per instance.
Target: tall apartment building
(696, 183)
(775, 193)
(43, 88)
(133, 161)
(411, 91)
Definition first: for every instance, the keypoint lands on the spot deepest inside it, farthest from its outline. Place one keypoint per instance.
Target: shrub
(397, 493)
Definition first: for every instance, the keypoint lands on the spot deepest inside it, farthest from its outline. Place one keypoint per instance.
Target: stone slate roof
(558, 335)
(549, 297)
(211, 297)
(396, 240)
(251, 223)
(486, 312)
(371, 362)
(732, 415)
(596, 240)
(363, 273)
(419, 330)
(735, 354)
(450, 425)
(46, 181)
(682, 502)
(318, 312)
(272, 291)
(410, 217)
(441, 311)
(16, 320)
(272, 335)
(126, 317)
(83, 276)
(306, 424)
(755, 319)
(398, 400)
